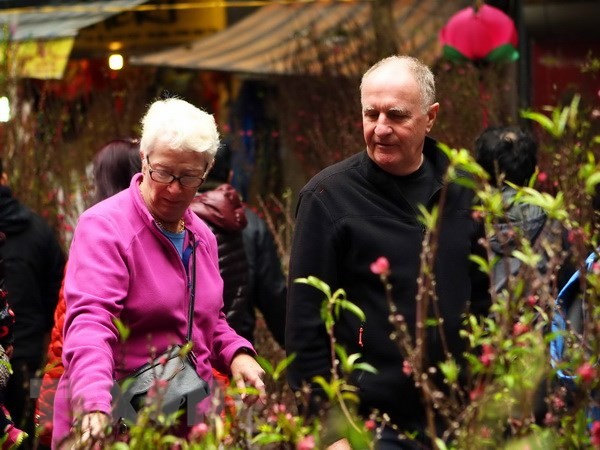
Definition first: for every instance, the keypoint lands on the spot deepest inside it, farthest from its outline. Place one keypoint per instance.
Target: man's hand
(246, 371)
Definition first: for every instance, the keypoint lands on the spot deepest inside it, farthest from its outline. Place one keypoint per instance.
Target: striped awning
(282, 38)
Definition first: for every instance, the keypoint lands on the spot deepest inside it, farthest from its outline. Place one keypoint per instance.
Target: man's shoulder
(337, 173)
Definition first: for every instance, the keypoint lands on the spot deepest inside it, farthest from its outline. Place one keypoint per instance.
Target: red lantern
(480, 33)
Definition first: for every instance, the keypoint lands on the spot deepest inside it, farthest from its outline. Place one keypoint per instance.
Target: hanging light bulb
(115, 61)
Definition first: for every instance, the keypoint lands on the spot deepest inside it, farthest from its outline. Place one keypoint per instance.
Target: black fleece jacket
(349, 215)
(34, 264)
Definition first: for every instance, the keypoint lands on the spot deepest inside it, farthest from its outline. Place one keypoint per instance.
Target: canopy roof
(54, 22)
(282, 38)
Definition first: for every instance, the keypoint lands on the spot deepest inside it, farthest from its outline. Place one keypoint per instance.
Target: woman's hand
(246, 371)
(342, 444)
(93, 429)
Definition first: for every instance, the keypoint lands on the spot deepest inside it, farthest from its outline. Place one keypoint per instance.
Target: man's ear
(431, 115)
(4, 179)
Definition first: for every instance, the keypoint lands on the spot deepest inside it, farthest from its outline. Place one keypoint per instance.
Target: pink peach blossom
(381, 266)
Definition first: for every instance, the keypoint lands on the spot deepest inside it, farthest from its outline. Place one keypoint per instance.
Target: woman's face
(168, 202)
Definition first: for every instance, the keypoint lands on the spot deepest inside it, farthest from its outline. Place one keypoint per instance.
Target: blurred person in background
(11, 437)
(34, 263)
(219, 205)
(113, 167)
(265, 284)
(509, 155)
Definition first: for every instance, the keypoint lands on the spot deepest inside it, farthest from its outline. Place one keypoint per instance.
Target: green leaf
(349, 362)
(365, 367)
(531, 259)
(591, 182)
(543, 120)
(440, 444)
(428, 218)
(266, 439)
(122, 330)
(341, 352)
(265, 364)
(574, 111)
(562, 119)
(316, 283)
(349, 306)
(481, 262)
(466, 182)
(351, 397)
(282, 365)
(169, 440)
(450, 369)
(553, 206)
(329, 388)
(431, 322)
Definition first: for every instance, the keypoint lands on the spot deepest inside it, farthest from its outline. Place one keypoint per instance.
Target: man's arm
(313, 253)
(269, 282)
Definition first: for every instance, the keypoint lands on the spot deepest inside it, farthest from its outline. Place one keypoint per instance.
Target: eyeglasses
(164, 177)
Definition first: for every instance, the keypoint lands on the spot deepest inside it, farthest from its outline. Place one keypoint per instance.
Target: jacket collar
(430, 151)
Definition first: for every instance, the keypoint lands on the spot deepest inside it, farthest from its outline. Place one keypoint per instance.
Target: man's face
(394, 120)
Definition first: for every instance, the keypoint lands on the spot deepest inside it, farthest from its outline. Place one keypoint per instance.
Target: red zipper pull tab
(360, 334)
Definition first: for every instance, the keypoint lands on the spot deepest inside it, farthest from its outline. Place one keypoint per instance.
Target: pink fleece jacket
(122, 267)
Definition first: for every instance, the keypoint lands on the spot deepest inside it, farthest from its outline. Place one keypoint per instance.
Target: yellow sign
(141, 31)
(39, 59)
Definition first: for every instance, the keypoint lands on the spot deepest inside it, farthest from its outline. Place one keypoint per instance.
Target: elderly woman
(129, 261)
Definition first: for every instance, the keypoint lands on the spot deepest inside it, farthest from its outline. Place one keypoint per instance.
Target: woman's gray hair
(423, 75)
(181, 126)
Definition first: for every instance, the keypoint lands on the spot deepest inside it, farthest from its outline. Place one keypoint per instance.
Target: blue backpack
(570, 306)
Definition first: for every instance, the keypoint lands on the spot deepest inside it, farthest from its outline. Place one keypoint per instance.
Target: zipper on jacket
(360, 334)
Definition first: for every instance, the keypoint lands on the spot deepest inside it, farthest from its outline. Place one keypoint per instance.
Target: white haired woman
(134, 258)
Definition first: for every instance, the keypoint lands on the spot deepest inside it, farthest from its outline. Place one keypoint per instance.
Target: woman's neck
(172, 227)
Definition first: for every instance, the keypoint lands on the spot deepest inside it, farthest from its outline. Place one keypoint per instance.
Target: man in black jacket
(364, 208)
(34, 264)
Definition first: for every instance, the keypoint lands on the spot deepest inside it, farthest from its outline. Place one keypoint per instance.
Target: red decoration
(481, 33)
